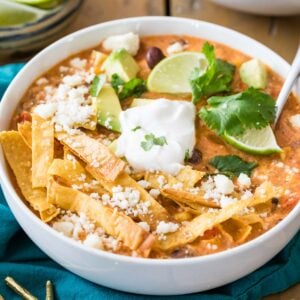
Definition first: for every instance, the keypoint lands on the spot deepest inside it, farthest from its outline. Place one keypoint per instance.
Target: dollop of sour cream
(173, 121)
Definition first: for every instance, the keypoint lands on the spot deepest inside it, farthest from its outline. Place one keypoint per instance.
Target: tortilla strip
(156, 213)
(42, 150)
(25, 130)
(237, 229)
(158, 179)
(189, 231)
(113, 222)
(18, 156)
(187, 197)
(94, 154)
(73, 174)
(189, 177)
(251, 219)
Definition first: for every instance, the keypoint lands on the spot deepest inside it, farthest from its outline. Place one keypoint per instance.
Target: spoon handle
(288, 84)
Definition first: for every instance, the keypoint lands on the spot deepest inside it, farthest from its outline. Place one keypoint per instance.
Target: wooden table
(280, 34)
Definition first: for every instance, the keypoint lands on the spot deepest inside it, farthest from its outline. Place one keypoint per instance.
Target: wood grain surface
(280, 34)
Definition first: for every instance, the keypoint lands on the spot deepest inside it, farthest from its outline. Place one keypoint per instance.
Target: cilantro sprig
(236, 113)
(232, 165)
(134, 87)
(217, 77)
(151, 140)
(97, 84)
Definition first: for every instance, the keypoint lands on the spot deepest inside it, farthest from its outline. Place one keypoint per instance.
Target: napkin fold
(24, 261)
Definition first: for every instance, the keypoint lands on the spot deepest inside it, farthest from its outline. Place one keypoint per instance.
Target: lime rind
(255, 141)
(171, 75)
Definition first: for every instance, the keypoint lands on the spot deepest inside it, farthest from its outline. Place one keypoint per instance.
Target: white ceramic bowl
(137, 275)
(263, 7)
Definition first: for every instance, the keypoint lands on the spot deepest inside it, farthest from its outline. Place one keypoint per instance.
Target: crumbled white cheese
(127, 199)
(177, 186)
(246, 195)
(161, 180)
(223, 184)
(211, 246)
(63, 69)
(93, 240)
(295, 120)
(64, 227)
(144, 184)
(166, 227)
(95, 196)
(42, 81)
(279, 164)
(128, 41)
(46, 110)
(154, 193)
(73, 80)
(80, 228)
(144, 225)
(175, 48)
(218, 189)
(244, 180)
(225, 200)
(78, 63)
(69, 104)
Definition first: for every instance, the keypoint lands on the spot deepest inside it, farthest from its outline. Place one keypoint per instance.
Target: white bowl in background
(263, 7)
(138, 275)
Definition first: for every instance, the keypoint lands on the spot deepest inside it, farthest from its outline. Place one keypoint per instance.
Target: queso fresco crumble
(156, 146)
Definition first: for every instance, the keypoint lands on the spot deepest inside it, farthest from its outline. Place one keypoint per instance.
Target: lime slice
(255, 141)
(171, 75)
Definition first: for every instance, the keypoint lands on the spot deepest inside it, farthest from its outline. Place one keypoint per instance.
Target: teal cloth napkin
(20, 258)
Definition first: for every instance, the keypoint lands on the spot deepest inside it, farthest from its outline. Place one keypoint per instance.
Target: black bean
(196, 157)
(275, 201)
(153, 56)
(182, 253)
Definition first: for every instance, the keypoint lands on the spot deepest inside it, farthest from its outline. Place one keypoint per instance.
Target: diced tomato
(24, 116)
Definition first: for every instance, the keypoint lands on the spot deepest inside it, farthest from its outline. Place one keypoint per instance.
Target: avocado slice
(121, 63)
(108, 108)
(113, 146)
(140, 102)
(254, 73)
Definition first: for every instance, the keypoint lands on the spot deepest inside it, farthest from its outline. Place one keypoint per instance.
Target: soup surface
(117, 164)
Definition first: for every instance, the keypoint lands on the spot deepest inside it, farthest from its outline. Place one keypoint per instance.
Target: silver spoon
(288, 84)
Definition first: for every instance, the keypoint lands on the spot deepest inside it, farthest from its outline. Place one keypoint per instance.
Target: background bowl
(45, 27)
(264, 7)
(137, 275)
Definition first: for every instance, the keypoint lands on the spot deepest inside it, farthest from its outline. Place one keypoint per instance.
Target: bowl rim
(9, 188)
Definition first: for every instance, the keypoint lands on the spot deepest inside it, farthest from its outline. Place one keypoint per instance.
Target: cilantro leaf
(151, 140)
(215, 79)
(186, 155)
(232, 165)
(134, 87)
(97, 85)
(160, 141)
(136, 128)
(236, 113)
(116, 82)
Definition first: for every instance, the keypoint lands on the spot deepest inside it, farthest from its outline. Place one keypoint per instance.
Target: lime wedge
(16, 14)
(40, 3)
(171, 75)
(255, 141)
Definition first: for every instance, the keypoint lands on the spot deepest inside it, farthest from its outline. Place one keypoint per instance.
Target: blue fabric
(20, 258)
